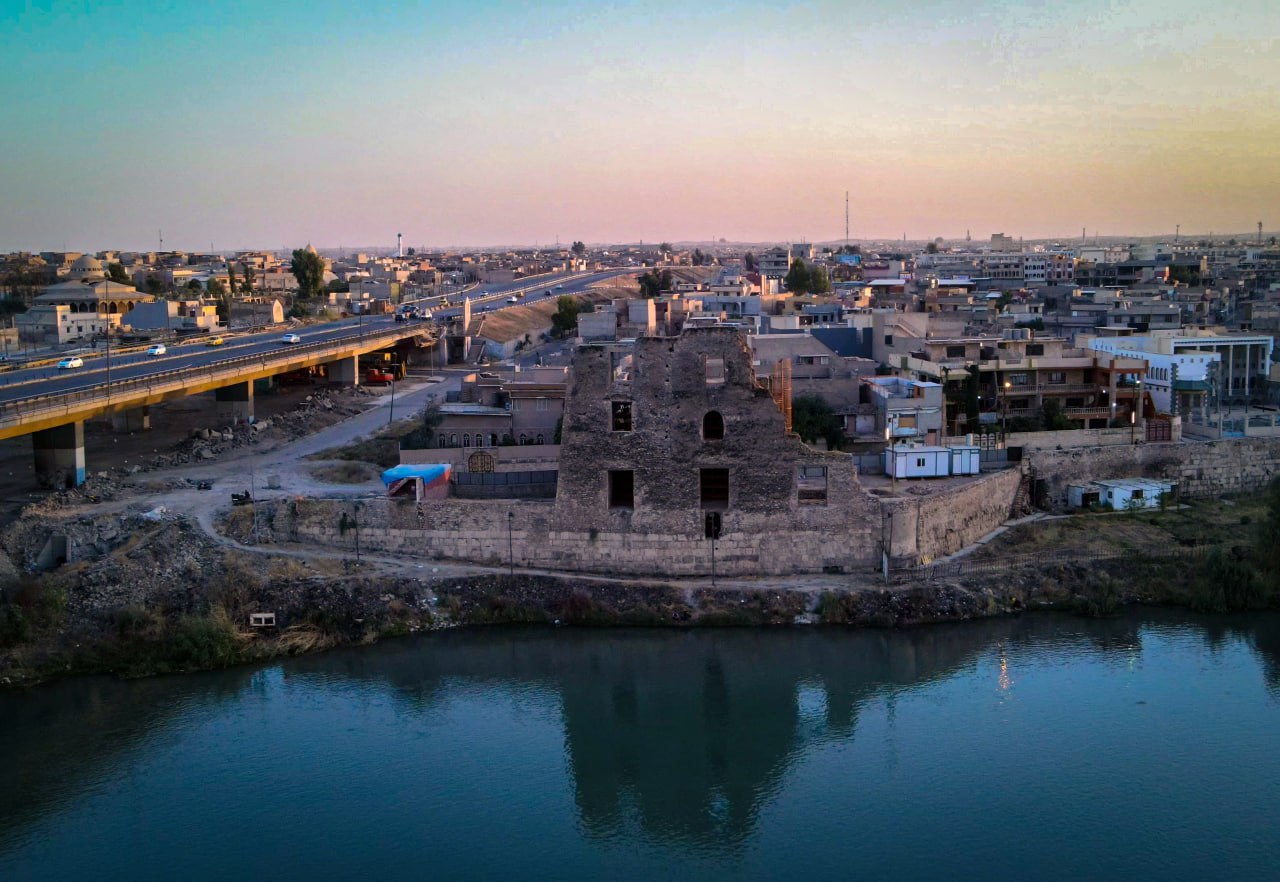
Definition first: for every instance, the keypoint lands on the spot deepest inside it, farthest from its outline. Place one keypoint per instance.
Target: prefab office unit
(965, 460)
(1119, 493)
(917, 461)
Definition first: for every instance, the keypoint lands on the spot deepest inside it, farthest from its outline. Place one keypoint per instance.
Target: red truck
(377, 377)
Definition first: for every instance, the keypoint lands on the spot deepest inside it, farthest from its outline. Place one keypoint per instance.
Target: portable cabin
(965, 459)
(917, 461)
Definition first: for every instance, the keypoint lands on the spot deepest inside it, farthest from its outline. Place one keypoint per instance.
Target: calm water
(1040, 748)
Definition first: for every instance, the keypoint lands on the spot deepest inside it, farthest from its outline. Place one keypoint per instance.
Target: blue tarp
(428, 473)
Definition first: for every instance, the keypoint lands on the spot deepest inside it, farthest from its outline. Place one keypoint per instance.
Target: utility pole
(511, 546)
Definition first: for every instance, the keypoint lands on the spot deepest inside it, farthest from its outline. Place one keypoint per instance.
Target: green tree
(1054, 417)
(812, 418)
(247, 285)
(154, 286)
(215, 289)
(819, 281)
(579, 248)
(565, 318)
(116, 273)
(192, 286)
(850, 249)
(653, 283)
(308, 269)
(665, 247)
(797, 280)
(749, 261)
(412, 251)
(931, 248)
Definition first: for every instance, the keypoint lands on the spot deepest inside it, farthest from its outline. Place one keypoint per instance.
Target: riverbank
(150, 592)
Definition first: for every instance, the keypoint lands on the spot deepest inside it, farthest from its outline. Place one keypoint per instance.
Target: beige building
(80, 308)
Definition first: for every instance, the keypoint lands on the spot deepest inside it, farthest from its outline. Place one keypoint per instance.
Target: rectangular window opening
(812, 485)
(621, 416)
(713, 487)
(714, 371)
(622, 488)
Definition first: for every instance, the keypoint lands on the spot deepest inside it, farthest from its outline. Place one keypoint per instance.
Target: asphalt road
(30, 382)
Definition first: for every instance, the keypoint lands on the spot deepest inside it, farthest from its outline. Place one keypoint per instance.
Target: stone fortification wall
(476, 531)
(1234, 465)
(926, 527)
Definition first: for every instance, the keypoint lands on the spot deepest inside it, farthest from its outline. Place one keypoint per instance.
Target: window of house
(1057, 378)
(443, 440)
(955, 352)
(622, 488)
(621, 416)
(1136, 494)
(713, 426)
(713, 488)
(453, 439)
(919, 462)
(1018, 379)
(543, 404)
(888, 339)
(524, 439)
(540, 439)
(811, 485)
(1035, 349)
(466, 440)
(714, 368)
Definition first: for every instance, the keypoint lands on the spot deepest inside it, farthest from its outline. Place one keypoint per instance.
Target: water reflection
(676, 736)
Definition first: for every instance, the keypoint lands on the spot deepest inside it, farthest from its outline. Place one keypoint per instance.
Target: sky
(261, 124)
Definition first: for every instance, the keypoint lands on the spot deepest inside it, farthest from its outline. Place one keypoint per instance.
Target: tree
(931, 248)
(819, 281)
(154, 286)
(850, 249)
(579, 248)
(24, 277)
(812, 418)
(749, 261)
(565, 318)
(192, 285)
(412, 251)
(653, 283)
(665, 247)
(1053, 417)
(116, 273)
(215, 289)
(797, 280)
(247, 285)
(698, 257)
(308, 269)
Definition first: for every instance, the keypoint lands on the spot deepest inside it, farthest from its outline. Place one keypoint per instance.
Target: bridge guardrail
(31, 405)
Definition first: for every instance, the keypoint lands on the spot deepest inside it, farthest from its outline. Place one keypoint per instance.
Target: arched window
(443, 440)
(453, 439)
(713, 426)
(493, 440)
(540, 440)
(524, 439)
(466, 440)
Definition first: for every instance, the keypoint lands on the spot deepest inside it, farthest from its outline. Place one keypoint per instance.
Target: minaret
(399, 244)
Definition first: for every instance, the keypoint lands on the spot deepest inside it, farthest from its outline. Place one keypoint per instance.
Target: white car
(72, 363)
(290, 338)
(513, 299)
(156, 349)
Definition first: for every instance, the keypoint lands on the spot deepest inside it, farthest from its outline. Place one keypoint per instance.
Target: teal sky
(269, 124)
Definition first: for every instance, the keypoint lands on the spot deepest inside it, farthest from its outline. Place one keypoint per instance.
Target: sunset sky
(270, 124)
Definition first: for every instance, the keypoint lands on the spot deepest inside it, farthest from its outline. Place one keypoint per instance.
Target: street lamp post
(1004, 412)
(511, 546)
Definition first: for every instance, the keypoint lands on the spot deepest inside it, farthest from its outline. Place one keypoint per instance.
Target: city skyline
(252, 125)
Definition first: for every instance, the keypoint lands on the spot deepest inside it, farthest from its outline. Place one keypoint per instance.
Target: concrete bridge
(52, 405)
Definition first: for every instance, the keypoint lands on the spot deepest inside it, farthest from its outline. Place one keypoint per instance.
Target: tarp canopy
(429, 473)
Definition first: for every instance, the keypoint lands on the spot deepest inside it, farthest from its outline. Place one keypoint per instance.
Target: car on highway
(513, 299)
(156, 349)
(214, 341)
(290, 338)
(72, 363)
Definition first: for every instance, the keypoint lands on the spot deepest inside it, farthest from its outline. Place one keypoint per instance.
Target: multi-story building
(504, 407)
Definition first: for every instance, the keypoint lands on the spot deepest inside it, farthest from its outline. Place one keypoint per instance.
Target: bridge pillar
(135, 419)
(344, 371)
(235, 402)
(59, 454)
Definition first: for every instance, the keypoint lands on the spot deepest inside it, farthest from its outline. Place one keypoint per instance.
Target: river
(1040, 747)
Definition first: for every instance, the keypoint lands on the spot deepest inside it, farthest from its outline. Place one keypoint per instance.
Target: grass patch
(347, 472)
(381, 449)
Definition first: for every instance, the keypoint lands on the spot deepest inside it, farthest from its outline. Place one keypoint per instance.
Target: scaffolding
(780, 388)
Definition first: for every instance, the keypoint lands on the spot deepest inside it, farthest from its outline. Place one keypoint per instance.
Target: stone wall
(925, 527)
(1234, 465)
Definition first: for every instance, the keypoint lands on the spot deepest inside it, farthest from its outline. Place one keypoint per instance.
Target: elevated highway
(51, 405)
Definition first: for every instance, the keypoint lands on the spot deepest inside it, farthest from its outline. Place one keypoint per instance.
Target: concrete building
(82, 307)
(504, 407)
(906, 409)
